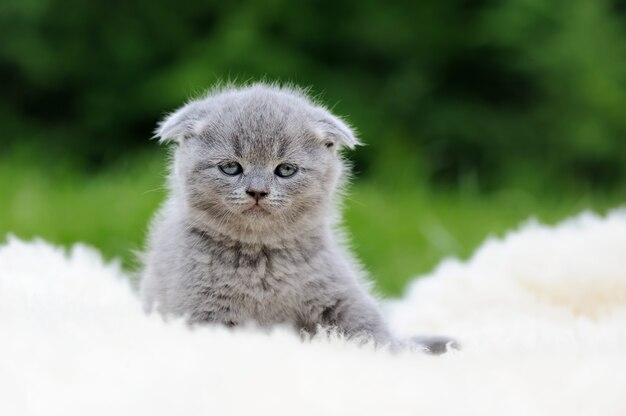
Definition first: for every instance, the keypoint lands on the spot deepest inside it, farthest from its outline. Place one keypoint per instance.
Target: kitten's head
(258, 163)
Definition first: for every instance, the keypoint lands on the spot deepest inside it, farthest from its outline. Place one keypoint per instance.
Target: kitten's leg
(211, 312)
(357, 315)
(360, 316)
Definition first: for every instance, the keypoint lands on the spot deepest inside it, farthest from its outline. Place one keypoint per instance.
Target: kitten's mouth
(256, 209)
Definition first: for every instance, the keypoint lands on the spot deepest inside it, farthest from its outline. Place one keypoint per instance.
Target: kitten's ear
(179, 124)
(337, 131)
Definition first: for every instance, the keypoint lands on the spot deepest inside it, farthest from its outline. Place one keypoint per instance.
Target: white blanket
(541, 316)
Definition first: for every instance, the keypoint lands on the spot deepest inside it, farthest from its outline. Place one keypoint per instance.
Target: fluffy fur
(541, 314)
(256, 247)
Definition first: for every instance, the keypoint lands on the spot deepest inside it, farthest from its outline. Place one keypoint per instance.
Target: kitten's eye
(285, 170)
(231, 168)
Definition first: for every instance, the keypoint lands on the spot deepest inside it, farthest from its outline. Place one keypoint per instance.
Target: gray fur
(213, 258)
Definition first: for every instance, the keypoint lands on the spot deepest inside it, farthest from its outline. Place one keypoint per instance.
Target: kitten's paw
(434, 344)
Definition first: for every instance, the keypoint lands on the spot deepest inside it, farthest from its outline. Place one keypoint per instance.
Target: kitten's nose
(257, 194)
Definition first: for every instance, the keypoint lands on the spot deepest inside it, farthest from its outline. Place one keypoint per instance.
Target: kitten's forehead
(265, 126)
(260, 119)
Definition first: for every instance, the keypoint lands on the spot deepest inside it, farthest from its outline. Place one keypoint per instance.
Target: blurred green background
(478, 114)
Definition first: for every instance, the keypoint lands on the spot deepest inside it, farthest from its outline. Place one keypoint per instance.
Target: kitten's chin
(256, 224)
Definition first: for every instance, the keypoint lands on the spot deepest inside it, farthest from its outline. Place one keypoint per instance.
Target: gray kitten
(248, 233)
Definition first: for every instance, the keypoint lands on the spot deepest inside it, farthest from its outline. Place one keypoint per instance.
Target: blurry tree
(494, 90)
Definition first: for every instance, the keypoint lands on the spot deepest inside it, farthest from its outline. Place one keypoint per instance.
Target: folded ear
(179, 124)
(337, 131)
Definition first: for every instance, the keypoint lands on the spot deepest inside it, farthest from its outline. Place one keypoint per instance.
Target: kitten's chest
(260, 283)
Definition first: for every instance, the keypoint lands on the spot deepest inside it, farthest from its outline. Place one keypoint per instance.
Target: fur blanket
(541, 316)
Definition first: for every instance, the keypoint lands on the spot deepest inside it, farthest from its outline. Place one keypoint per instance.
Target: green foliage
(487, 89)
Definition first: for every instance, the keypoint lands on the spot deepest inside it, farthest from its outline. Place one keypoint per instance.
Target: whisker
(158, 188)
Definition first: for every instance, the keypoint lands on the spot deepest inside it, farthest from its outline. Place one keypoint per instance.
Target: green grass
(398, 233)
(109, 210)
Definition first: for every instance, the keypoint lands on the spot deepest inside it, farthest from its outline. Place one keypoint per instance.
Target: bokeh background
(477, 114)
